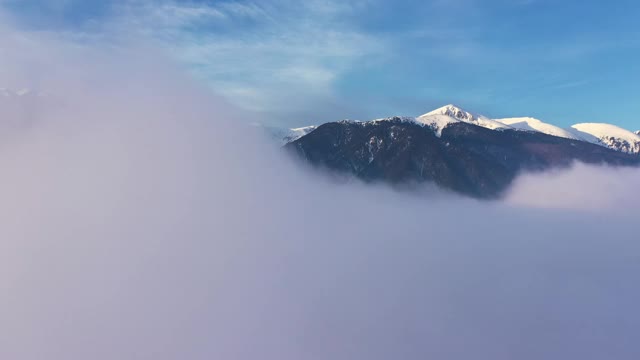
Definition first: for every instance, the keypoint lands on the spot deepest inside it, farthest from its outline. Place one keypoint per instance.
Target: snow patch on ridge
(609, 135)
(297, 133)
(285, 135)
(437, 122)
(535, 125)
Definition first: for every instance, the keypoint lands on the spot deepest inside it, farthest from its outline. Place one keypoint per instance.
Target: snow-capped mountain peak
(608, 135)
(454, 112)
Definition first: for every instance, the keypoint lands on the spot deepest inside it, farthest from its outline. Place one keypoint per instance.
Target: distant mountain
(459, 150)
(608, 135)
(465, 158)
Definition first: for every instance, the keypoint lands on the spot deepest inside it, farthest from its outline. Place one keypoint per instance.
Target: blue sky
(301, 62)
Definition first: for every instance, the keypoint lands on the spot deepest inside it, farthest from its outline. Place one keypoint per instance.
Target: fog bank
(141, 220)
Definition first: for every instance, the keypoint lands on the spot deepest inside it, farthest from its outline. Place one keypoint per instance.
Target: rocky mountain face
(460, 156)
(624, 145)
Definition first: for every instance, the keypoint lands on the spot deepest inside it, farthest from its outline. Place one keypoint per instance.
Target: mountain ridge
(458, 150)
(536, 125)
(602, 134)
(460, 114)
(463, 158)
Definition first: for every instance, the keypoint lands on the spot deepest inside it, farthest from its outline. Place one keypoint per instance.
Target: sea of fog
(142, 219)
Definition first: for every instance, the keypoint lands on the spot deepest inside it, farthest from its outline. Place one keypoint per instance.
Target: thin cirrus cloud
(262, 55)
(299, 63)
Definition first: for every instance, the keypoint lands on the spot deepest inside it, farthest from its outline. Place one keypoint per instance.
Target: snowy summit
(459, 114)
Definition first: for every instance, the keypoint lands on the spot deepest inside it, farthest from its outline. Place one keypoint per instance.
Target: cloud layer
(588, 188)
(139, 220)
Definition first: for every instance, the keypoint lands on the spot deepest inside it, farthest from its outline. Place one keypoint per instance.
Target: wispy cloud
(261, 55)
(292, 60)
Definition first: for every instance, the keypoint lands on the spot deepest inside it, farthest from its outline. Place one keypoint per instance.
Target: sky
(295, 63)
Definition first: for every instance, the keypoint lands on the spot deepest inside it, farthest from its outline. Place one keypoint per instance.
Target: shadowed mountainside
(467, 159)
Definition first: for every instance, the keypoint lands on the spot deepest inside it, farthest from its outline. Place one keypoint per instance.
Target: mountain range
(457, 149)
